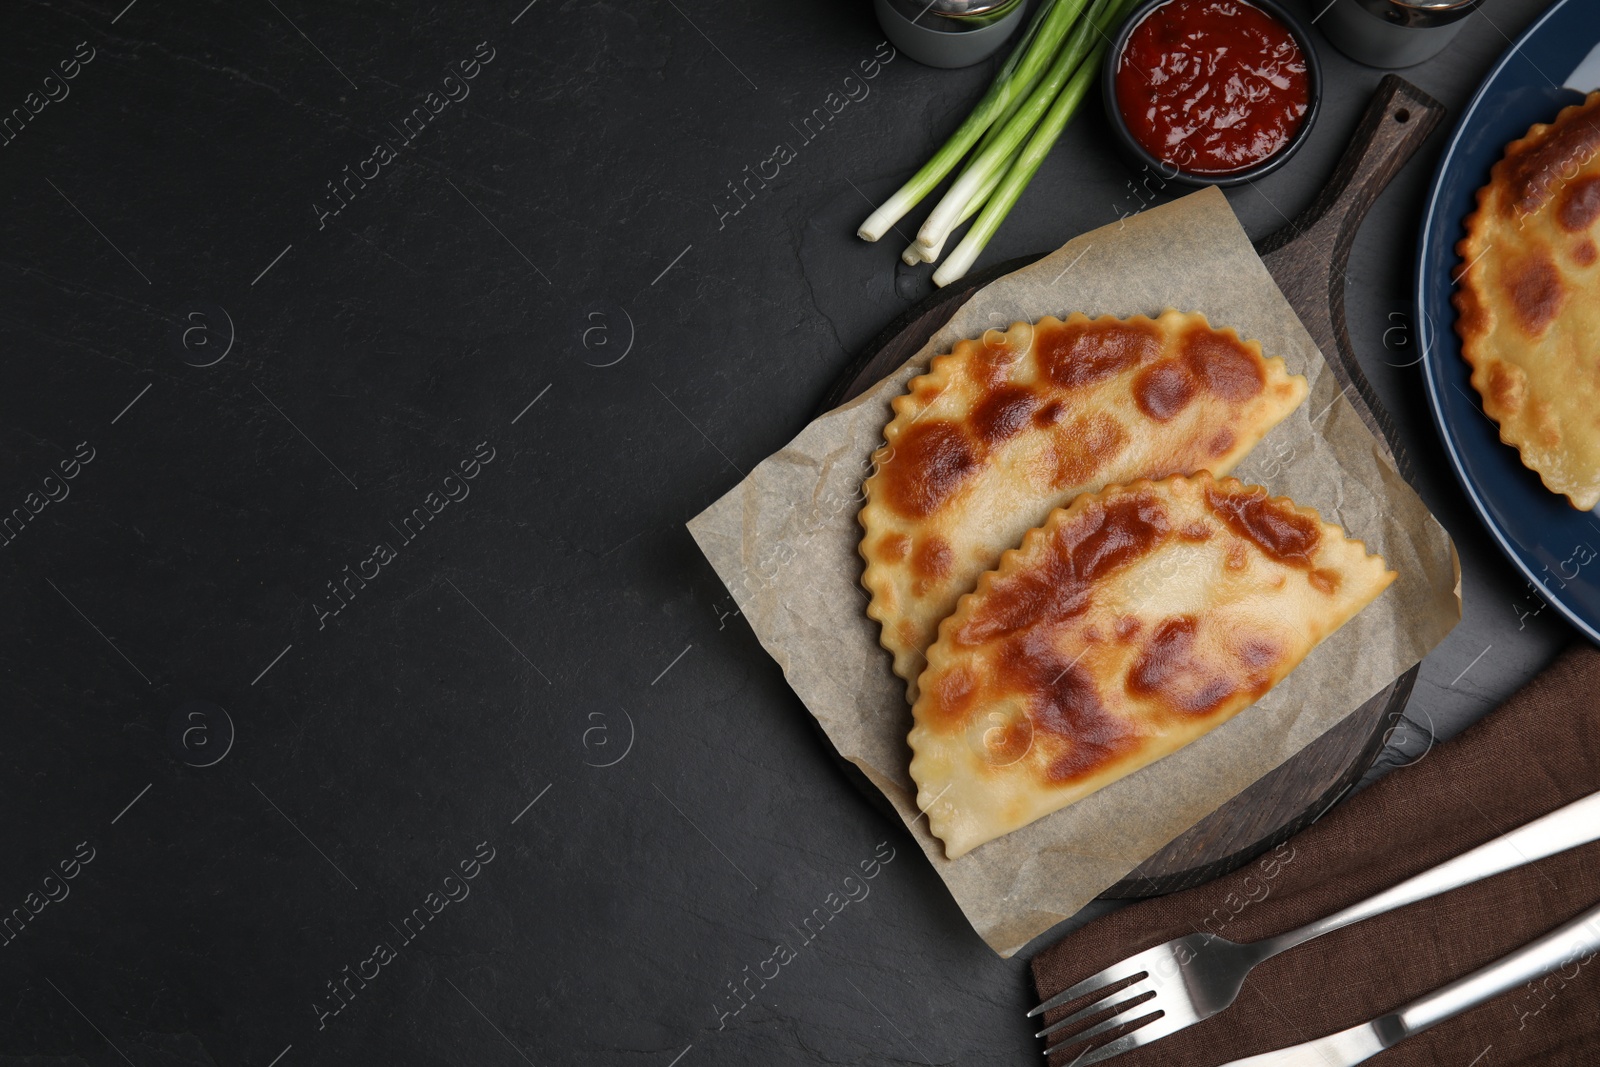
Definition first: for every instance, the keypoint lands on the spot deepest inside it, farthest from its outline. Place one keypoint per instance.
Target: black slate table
(365, 699)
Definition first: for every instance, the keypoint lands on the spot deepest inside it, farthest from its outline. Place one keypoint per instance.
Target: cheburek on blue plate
(1556, 546)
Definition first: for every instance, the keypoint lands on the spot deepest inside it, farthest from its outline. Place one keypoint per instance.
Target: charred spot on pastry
(1164, 657)
(1536, 292)
(1096, 543)
(1539, 165)
(1067, 706)
(893, 547)
(1256, 653)
(1225, 364)
(994, 360)
(1507, 387)
(933, 558)
(1108, 538)
(1074, 354)
(1579, 205)
(908, 631)
(1164, 389)
(1208, 696)
(1003, 413)
(1085, 447)
(930, 462)
(1279, 531)
(952, 695)
(1324, 580)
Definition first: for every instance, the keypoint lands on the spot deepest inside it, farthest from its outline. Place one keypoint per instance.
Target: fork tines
(1124, 1004)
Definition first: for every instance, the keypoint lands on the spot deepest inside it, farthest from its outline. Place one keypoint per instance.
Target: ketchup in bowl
(1212, 87)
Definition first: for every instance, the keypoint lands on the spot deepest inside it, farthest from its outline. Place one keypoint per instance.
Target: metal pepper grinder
(1393, 33)
(948, 33)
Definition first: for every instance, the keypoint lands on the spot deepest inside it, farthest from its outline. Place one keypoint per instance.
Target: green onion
(1003, 149)
(999, 202)
(1019, 72)
(929, 253)
(917, 252)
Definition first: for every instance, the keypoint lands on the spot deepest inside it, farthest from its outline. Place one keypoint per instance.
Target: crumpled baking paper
(784, 541)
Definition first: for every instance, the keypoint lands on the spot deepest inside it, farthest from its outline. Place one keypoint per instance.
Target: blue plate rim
(1431, 220)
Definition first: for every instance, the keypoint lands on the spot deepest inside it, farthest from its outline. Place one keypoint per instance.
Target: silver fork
(1191, 978)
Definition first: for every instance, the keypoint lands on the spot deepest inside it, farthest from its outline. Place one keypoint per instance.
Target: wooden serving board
(1307, 259)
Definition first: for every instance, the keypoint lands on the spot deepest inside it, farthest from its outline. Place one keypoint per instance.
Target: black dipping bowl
(1171, 171)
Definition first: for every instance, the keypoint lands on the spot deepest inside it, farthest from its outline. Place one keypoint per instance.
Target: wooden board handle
(1307, 258)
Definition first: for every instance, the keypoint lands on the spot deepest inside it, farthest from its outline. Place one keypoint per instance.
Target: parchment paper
(784, 541)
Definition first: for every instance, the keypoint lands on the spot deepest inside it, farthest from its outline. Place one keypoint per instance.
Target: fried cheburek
(1128, 625)
(1005, 428)
(1529, 300)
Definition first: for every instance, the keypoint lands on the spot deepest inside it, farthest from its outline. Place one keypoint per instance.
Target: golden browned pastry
(1131, 623)
(1007, 427)
(1529, 300)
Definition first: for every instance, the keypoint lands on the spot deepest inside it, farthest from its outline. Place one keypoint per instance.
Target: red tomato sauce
(1212, 86)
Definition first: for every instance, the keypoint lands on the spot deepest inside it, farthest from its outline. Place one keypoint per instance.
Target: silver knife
(1575, 941)
(1585, 77)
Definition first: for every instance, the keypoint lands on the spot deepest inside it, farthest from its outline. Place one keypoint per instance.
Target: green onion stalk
(917, 252)
(1003, 149)
(1019, 72)
(1022, 169)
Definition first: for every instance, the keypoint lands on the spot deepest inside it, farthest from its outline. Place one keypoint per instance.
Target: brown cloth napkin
(1537, 752)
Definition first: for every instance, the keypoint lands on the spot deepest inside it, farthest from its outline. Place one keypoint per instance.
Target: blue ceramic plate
(1556, 546)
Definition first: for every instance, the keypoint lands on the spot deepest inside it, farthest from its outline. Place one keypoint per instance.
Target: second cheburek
(1529, 314)
(1007, 427)
(1128, 625)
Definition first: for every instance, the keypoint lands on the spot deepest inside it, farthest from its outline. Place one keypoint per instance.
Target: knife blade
(1585, 77)
(1343, 1049)
(1575, 940)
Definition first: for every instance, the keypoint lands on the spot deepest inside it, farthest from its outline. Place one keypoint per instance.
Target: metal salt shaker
(948, 33)
(1393, 33)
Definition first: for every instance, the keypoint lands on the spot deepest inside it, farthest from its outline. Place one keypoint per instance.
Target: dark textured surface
(556, 619)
